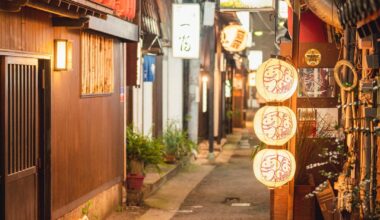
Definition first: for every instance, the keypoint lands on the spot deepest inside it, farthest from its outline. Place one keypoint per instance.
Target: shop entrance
(21, 138)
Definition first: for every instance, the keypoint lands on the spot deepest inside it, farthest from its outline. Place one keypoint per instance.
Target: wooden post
(211, 95)
(293, 100)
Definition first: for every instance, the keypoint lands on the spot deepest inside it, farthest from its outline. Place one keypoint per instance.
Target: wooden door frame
(44, 177)
(2, 141)
(44, 180)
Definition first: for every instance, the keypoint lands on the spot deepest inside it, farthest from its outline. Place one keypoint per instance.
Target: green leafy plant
(257, 148)
(230, 114)
(146, 150)
(86, 208)
(177, 141)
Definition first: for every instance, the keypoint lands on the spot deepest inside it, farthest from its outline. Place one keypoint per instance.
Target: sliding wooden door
(19, 137)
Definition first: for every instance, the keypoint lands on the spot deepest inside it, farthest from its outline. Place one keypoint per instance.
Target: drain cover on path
(229, 200)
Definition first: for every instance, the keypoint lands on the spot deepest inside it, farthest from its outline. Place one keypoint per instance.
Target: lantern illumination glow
(283, 9)
(234, 38)
(276, 80)
(60, 54)
(275, 125)
(204, 93)
(252, 79)
(255, 59)
(274, 168)
(258, 33)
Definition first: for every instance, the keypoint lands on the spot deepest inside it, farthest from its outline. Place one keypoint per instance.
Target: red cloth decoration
(109, 3)
(126, 9)
(312, 29)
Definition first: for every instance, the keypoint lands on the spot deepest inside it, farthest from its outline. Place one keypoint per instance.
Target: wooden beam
(114, 26)
(69, 22)
(293, 100)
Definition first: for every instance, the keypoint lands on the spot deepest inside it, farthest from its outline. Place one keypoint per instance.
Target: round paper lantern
(275, 125)
(273, 167)
(234, 38)
(276, 80)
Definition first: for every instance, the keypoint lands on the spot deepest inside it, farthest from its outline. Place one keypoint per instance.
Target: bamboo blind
(96, 64)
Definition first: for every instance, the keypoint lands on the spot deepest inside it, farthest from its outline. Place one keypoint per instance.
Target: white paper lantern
(274, 168)
(276, 80)
(275, 125)
(234, 38)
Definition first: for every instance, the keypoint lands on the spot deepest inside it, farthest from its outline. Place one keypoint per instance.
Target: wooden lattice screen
(97, 65)
(22, 127)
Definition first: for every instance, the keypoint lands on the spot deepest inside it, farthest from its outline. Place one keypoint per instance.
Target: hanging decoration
(275, 125)
(313, 57)
(276, 80)
(234, 38)
(273, 167)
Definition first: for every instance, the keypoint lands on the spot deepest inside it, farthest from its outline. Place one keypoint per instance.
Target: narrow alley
(189, 109)
(230, 191)
(222, 189)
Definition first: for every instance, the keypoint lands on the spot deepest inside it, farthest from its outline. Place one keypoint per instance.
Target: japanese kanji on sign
(186, 30)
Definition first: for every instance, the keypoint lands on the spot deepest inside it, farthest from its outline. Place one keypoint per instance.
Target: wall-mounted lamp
(204, 92)
(258, 33)
(60, 55)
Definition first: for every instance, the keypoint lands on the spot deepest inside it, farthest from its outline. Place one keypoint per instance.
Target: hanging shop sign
(273, 167)
(313, 57)
(234, 38)
(275, 125)
(247, 5)
(186, 31)
(149, 68)
(276, 80)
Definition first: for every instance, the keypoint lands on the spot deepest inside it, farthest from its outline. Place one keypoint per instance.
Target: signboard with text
(247, 5)
(186, 31)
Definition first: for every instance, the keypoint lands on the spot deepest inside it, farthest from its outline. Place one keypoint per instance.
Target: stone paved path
(231, 182)
(207, 191)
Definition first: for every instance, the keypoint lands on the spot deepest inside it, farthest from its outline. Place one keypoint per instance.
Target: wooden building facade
(61, 146)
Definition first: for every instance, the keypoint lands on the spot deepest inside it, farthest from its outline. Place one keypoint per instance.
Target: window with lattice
(97, 67)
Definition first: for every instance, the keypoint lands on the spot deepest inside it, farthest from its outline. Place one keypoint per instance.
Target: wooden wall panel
(157, 99)
(87, 133)
(329, 52)
(30, 30)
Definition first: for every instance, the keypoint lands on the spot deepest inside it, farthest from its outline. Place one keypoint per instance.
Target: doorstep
(154, 180)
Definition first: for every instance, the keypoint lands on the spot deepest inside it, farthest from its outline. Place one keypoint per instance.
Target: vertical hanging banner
(186, 31)
(149, 68)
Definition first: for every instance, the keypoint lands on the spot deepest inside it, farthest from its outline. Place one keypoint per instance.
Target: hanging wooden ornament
(276, 80)
(275, 125)
(273, 167)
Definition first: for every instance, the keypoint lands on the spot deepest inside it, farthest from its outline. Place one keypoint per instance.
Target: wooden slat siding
(27, 116)
(11, 117)
(17, 121)
(30, 30)
(87, 133)
(34, 122)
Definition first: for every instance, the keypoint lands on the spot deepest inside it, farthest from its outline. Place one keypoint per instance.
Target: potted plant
(177, 143)
(141, 152)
